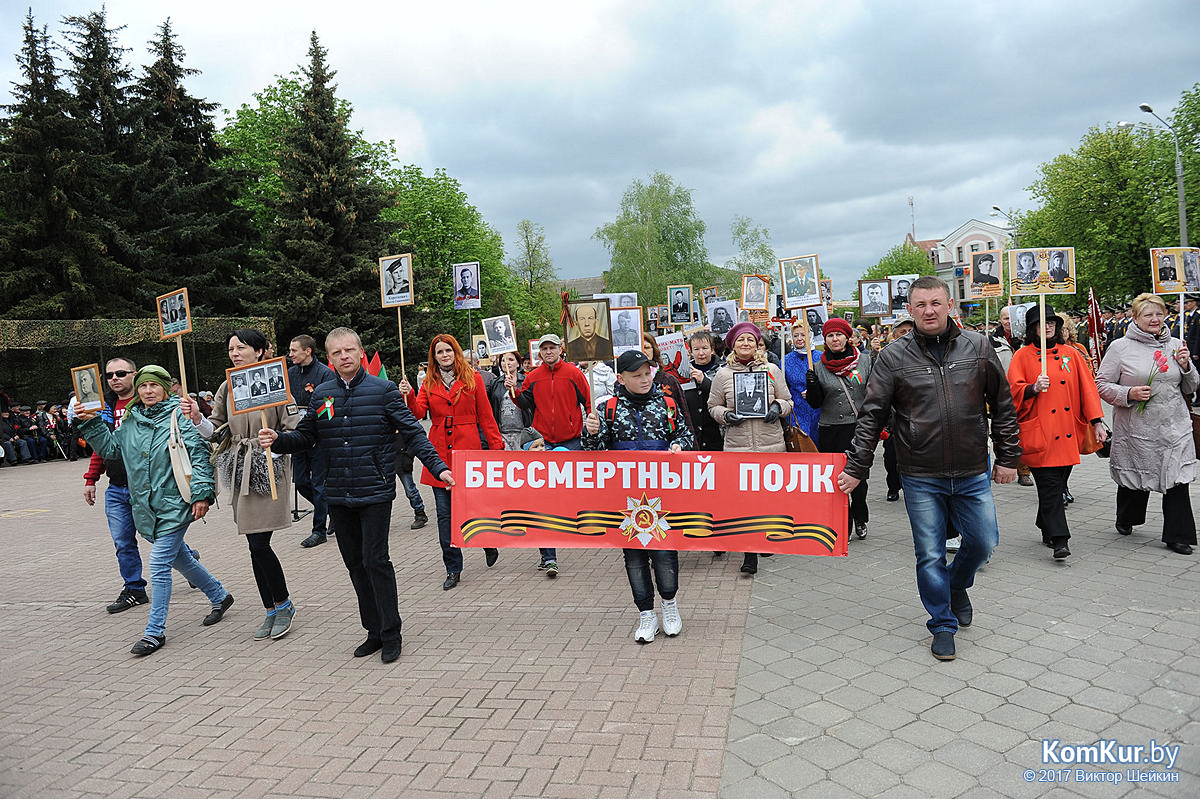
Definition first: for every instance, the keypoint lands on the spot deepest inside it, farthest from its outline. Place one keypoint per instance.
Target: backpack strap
(610, 410)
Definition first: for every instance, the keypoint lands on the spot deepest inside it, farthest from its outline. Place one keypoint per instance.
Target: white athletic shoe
(671, 624)
(647, 627)
(952, 544)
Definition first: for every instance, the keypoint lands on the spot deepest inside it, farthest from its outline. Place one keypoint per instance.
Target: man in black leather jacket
(352, 421)
(942, 383)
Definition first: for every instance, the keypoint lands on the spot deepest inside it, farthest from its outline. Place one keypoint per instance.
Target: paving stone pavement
(812, 679)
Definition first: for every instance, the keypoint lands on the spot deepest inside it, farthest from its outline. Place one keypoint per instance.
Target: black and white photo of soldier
(874, 298)
(983, 270)
(241, 391)
(681, 304)
(1191, 269)
(1167, 272)
(626, 330)
(722, 316)
(396, 275)
(275, 379)
(258, 383)
(1059, 269)
(754, 293)
(500, 335)
(466, 286)
(816, 316)
(750, 394)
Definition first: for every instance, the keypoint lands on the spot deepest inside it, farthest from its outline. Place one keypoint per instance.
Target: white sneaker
(860, 530)
(671, 623)
(952, 544)
(647, 627)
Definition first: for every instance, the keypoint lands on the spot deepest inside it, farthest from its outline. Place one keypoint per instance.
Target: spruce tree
(185, 229)
(323, 271)
(53, 258)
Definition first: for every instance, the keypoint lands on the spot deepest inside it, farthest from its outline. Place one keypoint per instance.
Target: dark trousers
(666, 574)
(1051, 481)
(1179, 526)
(889, 465)
(837, 438)
(268, 572)
(308, 473)
(362, 538)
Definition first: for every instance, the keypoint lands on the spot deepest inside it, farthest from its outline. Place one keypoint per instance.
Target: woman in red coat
(456, 401)
(1053, 411)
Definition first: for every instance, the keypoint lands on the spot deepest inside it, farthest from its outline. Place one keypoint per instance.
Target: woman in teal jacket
(160, 512)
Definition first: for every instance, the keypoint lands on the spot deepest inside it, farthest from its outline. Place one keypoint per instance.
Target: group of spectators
(37, 434)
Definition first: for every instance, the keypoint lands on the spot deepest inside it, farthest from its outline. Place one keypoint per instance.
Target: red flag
(1095, 327)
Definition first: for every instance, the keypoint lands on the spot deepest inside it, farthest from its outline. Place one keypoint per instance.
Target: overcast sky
(816, 119)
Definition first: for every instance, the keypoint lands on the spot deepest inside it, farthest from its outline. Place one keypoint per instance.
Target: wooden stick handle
(400, 336)
(270, 463)
(182, 370)
(1042, 315)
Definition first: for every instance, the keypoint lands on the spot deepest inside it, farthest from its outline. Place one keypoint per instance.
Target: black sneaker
(148, 644)
(316, 539)
(218, 610)
(128, 599)
(419, 520)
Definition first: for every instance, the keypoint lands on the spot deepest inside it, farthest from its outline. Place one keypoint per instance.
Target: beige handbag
(181, 461)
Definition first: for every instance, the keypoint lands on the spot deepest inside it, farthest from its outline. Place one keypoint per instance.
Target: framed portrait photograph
(501, 337)
(708, 294)
(986, 274)
(259, 385)
(86, 380)
(754, 292)
(875, 297)
(780, 311)
(826, 290)
(626, 326)
(679, 304)
(535, 357)
(1041, 270)
(722, 316)
(395, 280)
(479, 345)
(652, 319)
(466, 285)
(800, 278)
(1175, 269)
(815, 316)
(620, 299)
(900, 284)
(174, 314)
(750, 394)
(589, 336)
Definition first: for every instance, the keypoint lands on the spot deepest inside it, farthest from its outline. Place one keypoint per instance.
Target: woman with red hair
(455, 400)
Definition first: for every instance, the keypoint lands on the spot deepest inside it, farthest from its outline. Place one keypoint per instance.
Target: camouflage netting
(40, 334)
(36, 356)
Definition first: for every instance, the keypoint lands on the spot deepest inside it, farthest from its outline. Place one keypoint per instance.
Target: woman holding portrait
(1144, 376)
(1054, 411)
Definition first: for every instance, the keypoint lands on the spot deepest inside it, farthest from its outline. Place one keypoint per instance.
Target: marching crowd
(955, 409)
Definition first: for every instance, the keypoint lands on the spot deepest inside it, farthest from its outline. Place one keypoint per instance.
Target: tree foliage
(755, 254)
(1112, 198)
(903, 259)
(656, 240)
(533, 298)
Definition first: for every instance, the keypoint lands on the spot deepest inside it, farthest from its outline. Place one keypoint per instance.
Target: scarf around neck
(844, 366)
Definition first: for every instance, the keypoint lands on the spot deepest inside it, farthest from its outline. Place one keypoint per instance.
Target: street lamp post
(1012, 225)
(1183, 237)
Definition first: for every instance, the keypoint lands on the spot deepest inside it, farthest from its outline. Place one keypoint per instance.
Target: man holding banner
(940, 383)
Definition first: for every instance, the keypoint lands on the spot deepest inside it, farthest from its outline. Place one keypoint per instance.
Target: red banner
(714, 501)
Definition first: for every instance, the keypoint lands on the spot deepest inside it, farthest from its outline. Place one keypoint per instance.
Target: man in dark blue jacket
(308, 472)
(352, 421)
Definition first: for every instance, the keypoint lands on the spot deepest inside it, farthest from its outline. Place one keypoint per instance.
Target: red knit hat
(837, 325)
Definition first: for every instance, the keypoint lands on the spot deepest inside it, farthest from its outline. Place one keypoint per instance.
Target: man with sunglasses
(118, 374)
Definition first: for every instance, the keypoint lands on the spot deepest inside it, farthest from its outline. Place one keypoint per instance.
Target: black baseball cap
(631, 361)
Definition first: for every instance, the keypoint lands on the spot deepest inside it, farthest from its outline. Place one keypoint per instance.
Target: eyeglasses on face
(118, 373)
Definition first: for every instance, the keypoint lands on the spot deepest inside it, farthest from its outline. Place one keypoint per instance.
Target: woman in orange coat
(1053, 411)
(456, 401)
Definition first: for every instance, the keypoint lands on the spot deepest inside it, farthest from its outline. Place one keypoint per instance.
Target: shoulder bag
(181, 461)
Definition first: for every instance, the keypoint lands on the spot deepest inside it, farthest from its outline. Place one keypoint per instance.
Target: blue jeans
(451, 556)
(968, 503)
(124, 536)
(412, 492)
(666, 574)
(308, 473)
(169, 550)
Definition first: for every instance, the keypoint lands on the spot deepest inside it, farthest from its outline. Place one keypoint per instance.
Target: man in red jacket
(558, 394)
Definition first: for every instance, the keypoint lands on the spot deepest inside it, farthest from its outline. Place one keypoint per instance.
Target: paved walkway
(812, 679)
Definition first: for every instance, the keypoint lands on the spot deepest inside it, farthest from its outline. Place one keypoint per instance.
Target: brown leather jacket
(941, 409)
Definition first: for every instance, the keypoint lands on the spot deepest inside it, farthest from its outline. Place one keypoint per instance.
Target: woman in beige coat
(242, 468)
(749, 433)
